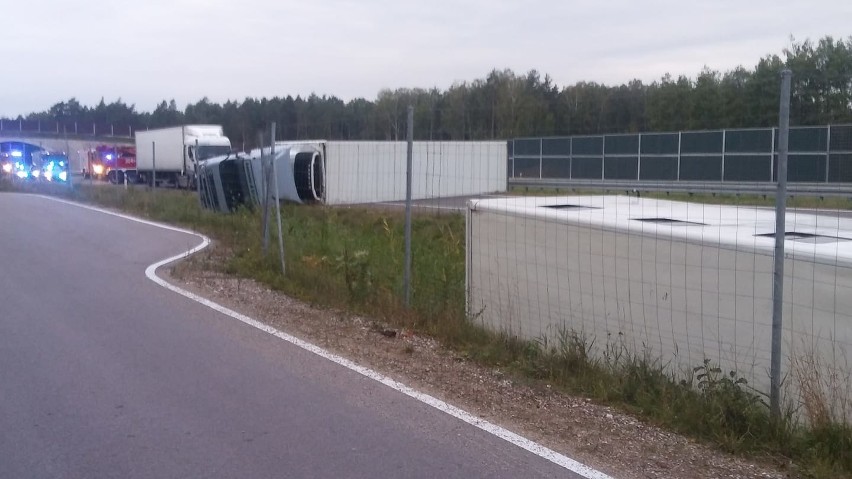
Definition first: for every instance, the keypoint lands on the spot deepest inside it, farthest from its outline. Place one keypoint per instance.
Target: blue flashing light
(63, 176)
(109, 156)
(16, 154)
(22, 174)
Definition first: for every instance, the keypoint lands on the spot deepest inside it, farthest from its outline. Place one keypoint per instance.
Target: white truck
(171, 154)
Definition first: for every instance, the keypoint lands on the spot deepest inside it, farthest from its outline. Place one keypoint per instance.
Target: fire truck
(111, 163)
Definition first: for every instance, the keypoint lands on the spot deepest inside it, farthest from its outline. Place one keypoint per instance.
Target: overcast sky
(144, 51)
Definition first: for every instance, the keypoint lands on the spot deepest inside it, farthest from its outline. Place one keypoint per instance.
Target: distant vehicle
(50, 166)
(176, 152)
(112, 163)
(17, 163)
(13, 158)
(24, 170)
(7, 162)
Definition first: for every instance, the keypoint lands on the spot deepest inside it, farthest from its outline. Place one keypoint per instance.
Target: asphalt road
(105, 374)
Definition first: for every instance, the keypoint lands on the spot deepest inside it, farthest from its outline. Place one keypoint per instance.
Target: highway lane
(106, 374)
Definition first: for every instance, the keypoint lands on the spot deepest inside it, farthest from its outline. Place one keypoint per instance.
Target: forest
(506, 104)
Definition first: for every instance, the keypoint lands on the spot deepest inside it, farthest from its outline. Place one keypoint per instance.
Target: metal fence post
(679, 152)
(153, 165)
(827, 151)
(406, 277)
(277, 199)
(195, 168)
(68, 169)
(264, 167)
(780, 233)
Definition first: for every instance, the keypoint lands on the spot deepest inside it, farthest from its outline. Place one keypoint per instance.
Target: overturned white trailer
(351, 172)
(355, 172)
(682, 282)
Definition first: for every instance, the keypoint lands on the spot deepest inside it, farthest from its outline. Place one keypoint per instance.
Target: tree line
(505, 104)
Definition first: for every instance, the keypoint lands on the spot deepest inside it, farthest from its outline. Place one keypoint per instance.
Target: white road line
(493, 429)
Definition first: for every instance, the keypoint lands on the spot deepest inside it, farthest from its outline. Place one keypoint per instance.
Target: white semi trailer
(350, 172)
(171, 154)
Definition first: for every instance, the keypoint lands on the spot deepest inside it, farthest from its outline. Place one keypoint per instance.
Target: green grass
(351, 258)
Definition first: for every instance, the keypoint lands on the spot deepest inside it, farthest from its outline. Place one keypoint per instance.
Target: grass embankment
(352, 258)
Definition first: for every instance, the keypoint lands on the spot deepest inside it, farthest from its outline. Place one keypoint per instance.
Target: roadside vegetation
(351, 258)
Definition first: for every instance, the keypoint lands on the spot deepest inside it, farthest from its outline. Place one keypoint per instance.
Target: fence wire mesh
(677, 283)
(683, 282)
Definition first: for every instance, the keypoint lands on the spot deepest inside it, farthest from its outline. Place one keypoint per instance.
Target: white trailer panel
(375, 171)
(169, 144)
(683, 282)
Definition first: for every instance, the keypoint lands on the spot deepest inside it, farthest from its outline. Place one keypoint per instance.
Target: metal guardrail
(743, 188)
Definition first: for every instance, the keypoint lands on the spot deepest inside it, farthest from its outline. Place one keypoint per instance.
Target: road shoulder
(599, 436)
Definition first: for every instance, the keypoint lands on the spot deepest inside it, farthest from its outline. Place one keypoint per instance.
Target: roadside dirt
(599, 436)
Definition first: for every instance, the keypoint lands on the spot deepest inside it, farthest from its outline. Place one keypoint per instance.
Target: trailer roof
(824, 235)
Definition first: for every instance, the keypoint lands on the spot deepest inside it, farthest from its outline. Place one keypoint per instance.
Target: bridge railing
(51, 127)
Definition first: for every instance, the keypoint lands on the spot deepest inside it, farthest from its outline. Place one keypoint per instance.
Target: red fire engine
(112, 163)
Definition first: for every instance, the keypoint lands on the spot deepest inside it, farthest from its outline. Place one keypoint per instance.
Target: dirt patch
(599, 436)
